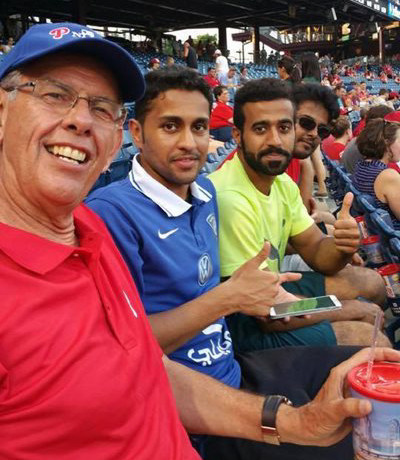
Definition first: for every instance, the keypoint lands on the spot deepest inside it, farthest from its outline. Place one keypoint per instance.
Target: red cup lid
(370, 240)
(385, 381)
(389, 269)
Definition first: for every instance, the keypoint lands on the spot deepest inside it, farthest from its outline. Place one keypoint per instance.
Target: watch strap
(268, 418)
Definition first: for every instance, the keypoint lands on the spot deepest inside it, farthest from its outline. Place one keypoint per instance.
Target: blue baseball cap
(44, 39)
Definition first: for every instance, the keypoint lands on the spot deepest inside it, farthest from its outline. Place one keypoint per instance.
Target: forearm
(175, 327)
(207, 406)
(327, 259)
(306, 181)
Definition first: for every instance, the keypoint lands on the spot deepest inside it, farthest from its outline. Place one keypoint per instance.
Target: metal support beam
(381, 45)
(222, 37)
(79, 11)
(256, 50)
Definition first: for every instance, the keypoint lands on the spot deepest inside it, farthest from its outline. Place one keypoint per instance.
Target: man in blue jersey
(166, 226)
(160, 204)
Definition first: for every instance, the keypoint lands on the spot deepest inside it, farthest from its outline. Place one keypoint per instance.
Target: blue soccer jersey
(171, 249)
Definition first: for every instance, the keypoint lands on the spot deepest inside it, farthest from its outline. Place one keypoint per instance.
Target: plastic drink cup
(391, 276)
(362, 226)
(377, 436)
(372, 249)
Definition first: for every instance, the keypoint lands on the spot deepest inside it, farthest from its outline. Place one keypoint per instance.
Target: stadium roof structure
(169, 15)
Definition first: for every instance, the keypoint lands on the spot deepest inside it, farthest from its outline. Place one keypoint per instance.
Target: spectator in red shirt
(341, 131)
(335, 79)
(361, 125)
(211, 78)
(383, 77)
(221, 121)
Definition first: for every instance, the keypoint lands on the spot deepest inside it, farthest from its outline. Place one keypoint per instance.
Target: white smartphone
(305, 306)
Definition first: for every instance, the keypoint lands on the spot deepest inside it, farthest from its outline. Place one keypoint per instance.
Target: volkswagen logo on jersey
(212, 221)
(205, 269)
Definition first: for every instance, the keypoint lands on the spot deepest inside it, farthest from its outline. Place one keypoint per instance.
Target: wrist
(287, 423)
(228, 303)
(269, 430)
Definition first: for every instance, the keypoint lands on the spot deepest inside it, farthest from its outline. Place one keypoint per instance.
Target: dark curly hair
(218, 90)
(160, 81)
(264, 89)
(317, 93)
(375, 139)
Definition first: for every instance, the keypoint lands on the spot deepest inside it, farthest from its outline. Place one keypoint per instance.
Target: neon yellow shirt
(247, 217)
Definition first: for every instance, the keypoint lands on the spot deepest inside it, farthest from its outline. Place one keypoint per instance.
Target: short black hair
(317, 93)
(218, 90)
(264, 89)
(160, 81)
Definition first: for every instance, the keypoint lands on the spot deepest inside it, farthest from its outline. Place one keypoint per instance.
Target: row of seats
(214, 159)
(380, 241)
(121, 165)
(373, 221)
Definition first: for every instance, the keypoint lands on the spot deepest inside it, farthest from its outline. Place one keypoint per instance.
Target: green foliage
(205, 38)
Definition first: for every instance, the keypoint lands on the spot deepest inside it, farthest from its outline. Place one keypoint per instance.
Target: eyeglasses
(309, 124)
(62, 98)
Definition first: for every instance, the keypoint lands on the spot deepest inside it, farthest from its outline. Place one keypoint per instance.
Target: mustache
(272, 150)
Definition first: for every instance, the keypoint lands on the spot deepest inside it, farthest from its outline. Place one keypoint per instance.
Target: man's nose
(79, 117)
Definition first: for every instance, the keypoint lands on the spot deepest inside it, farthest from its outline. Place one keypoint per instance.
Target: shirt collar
(41, 255)
(168, 201)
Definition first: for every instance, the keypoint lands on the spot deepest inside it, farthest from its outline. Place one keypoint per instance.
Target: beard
(301, 153)
(271, 167)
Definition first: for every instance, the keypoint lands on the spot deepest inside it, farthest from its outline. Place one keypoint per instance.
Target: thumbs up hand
(346, 234)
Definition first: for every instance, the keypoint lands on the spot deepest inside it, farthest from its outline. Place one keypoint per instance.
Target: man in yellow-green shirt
(248, 217)
(257, 202)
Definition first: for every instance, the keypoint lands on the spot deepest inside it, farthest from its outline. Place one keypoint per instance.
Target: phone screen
(305, 306)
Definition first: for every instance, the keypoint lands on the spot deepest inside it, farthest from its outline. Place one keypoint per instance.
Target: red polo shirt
(211, 81)
(81, 375)
(220, 116)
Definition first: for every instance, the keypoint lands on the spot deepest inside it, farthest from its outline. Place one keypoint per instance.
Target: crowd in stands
(137, 325)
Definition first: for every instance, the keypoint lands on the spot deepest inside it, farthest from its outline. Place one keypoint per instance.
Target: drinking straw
(377, 324)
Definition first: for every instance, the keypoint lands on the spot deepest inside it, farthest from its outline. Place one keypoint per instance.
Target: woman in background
(310, 69)
(221, 120)
(288, 70)
(379, 144)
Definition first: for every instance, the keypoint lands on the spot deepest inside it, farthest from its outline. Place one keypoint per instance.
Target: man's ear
(236, 135)
(136, 131)
(3, 112)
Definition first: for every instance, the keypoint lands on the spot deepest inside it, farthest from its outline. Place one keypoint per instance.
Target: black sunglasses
(309, 124)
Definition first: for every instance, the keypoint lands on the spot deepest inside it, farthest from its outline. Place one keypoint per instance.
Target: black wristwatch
(268, 418)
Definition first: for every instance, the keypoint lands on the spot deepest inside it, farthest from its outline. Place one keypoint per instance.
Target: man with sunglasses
(316, 106)
(257, 202)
